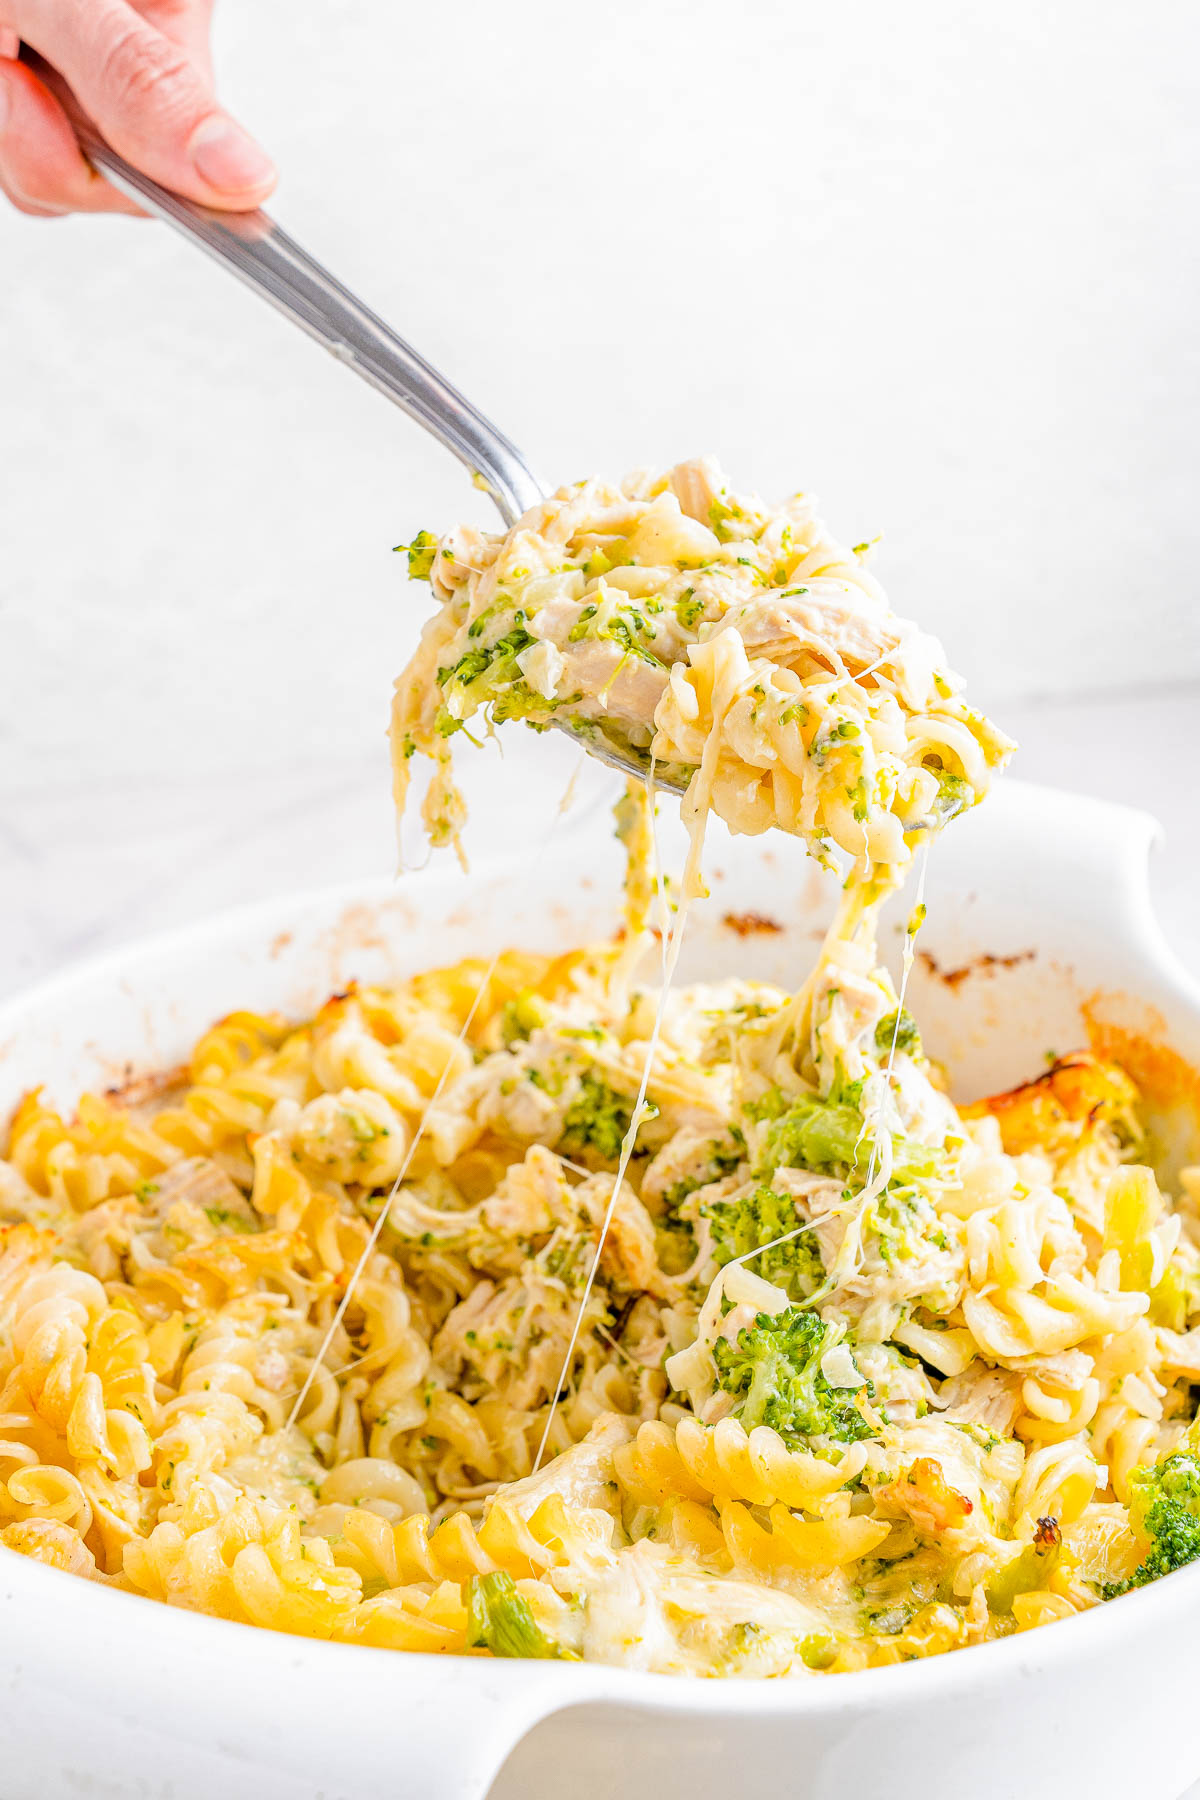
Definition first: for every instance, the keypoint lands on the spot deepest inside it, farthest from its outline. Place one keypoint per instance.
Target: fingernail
(227, 158)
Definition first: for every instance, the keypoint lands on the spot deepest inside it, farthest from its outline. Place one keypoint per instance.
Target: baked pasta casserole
(540, 1307)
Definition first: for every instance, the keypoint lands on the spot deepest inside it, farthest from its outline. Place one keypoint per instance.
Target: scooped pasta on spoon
(736, 647)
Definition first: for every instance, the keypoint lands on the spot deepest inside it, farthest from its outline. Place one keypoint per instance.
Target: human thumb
(152, 103)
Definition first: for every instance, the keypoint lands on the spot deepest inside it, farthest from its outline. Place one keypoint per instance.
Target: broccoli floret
(739, 1226)
(598, 1119)
(489, 675)
(954, 795)
(627, 626)
(517, 700)
(521, 1016)
(675, 1245)
(497, 661)
(774, 1369)
(222, 1215)
(726, 519)
(829, 1136)
(421, 553)
(813, 1134)
(582, 627)
(499, 1620)
(467, 669)
(1028, 1570)
(1164, 1506)
(859, 796)
(905, 1034)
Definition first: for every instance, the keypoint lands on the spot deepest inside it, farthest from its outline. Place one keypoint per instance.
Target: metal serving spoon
(252, 246)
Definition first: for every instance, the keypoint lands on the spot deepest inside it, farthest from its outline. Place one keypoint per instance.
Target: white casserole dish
(109, 1695)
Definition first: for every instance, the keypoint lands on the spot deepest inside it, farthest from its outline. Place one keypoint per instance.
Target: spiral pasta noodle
(171, 1264)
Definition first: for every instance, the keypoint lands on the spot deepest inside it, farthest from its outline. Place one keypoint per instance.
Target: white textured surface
(937, 262)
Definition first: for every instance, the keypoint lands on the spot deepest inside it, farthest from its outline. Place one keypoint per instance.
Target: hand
(142, 69)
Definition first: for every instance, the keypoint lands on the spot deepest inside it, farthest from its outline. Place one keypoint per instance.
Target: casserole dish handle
(471, 1731)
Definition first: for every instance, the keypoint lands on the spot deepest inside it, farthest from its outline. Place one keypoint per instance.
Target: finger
(41, 167)
(27, 207)
(184, 22)
(152, 103)
(187, 23)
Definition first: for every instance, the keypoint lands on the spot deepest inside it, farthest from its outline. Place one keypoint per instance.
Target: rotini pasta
(810, 1460)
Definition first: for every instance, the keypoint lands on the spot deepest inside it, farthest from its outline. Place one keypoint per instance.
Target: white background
(937, 263)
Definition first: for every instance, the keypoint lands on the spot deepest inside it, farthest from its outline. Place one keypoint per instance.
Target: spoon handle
(254, 248)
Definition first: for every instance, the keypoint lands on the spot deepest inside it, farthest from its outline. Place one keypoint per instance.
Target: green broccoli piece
(813, 1134)
(689, 609)
(445, 724)
(627, 626)
(675, 1245)
(954, 795)
(829, 1136)
(599, 1119)
(774, 1370)
(489, 675)
(467, 669)
(222, 1215)
(726, 518)
(906, 1035)
(517, 700)
(1028, 1570)
(739, 1226)
(499, 1620)
(421, 553)
(582, 628)
(521, 1016)
(497, 661)
(1164, 1506)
